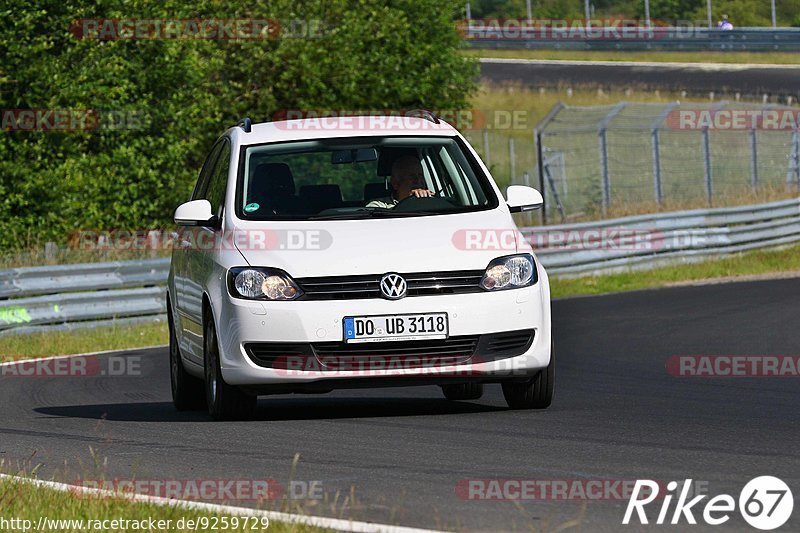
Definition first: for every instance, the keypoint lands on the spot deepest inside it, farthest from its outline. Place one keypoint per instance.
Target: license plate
(395, 327)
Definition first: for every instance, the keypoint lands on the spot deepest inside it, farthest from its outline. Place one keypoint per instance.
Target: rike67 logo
(765, 503)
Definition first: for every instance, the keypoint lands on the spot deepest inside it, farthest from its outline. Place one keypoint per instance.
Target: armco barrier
(82, 295)
(674, 236)
(91, 295)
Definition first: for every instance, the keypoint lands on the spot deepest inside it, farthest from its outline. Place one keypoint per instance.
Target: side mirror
(521, 198)
(195, 213)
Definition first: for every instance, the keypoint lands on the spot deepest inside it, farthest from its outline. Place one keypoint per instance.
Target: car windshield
(361, 178)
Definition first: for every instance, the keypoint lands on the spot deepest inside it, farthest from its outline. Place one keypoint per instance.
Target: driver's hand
(421, 193)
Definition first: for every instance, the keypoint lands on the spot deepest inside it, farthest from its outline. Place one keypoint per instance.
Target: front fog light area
(510, 272)
(262, 284)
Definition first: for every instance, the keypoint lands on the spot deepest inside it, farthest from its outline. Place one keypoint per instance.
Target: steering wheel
(425, 203)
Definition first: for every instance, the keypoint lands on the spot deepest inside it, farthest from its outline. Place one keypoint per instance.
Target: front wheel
(225, 402)
(537, 392)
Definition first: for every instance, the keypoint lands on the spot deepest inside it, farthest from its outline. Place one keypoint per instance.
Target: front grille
(405, 354)
(368, 286)
(325, 356)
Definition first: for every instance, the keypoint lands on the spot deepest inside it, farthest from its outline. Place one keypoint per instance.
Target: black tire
(463, 391)
(537, 392)
(225, 402)
(187, 390)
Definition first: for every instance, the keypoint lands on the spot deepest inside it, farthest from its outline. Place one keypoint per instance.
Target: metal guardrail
(657, 38)
(647, 241)
(91, 295)
(83, 295)
(82, 277)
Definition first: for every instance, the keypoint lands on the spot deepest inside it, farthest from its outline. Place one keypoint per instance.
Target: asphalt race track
(618, 415)
(752, 81)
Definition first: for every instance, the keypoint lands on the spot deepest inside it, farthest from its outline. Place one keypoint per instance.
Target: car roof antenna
(246, 124)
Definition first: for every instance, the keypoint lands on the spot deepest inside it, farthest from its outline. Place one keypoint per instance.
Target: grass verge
(33, 345)
(775, 58)
(740, 266)
(26, 502)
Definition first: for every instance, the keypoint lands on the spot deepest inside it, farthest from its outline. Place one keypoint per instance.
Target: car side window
(218, 182)
(201, 186)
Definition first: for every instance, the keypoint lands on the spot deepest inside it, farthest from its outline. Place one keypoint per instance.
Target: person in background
(724, 24)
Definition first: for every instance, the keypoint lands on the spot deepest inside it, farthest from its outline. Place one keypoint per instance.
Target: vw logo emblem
(393, 286)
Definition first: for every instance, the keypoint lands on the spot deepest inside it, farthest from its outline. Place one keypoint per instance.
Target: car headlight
(262, 284)
(510, 272)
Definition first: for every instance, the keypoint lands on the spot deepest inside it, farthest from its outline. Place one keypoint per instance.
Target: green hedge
(184, 93)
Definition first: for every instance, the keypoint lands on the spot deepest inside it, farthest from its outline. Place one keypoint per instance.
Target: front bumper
(241, 322)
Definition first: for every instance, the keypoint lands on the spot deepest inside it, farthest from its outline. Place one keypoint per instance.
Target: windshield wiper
(343, 216)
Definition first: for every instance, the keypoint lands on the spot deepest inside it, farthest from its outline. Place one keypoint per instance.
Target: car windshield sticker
(249, 208)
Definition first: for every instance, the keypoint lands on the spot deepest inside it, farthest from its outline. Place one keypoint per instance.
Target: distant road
(722, 78)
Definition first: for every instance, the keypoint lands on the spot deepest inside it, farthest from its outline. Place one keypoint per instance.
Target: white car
(318, 254)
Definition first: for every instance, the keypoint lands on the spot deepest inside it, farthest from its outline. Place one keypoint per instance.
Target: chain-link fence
(628, 156)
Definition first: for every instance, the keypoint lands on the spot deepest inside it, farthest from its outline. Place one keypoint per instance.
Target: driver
(407, 180)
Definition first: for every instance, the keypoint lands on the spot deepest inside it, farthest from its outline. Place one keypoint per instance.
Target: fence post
(50, 251)
(753, 159)
(601, 127)
(486, 155)
(793, 173)
(537, 134)
(655, 127)
(656, 166)
(707, 166)
(605, 183)
(512, 159)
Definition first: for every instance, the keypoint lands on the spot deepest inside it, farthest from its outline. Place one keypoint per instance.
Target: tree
(171, 98)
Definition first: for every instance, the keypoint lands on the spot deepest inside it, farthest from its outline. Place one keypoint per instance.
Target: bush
(184, 93)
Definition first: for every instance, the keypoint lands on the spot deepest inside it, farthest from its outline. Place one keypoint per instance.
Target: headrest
(273, 180)
(388, 156)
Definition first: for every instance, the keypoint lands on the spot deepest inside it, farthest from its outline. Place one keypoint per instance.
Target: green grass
(742, 266)
(778, 58)
(34, 345)
(20, 500)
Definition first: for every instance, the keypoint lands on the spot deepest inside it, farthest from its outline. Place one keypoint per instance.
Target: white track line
(315, 521)
(734, 67)
(105, 352)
